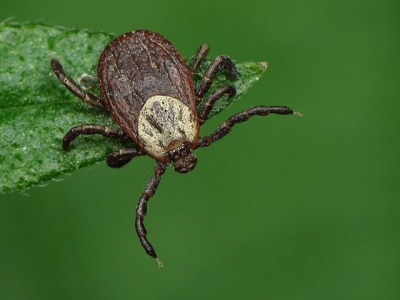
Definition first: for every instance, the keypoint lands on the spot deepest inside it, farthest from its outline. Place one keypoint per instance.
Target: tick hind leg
(241, 117)
(74, 87)
(89, 129)
(218, 64)
(141, 209)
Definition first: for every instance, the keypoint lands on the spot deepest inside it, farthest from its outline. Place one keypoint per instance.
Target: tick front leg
(218, 64)
(88, 129)
(241, 117)
(121, 157)
(200, 57)
(141, 209)
(74, 87)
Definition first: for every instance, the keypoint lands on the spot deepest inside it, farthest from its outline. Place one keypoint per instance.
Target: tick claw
(160, 264)
(299, 113)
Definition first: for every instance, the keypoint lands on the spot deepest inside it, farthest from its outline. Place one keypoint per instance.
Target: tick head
(186, 163)
(183, 159)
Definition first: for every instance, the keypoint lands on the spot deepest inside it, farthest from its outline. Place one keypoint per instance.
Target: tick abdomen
(165, 123)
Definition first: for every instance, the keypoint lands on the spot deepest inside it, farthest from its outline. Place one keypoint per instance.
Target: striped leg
(141, 209)
(241, 117)
(74, 87)
(200, 57)
(209, 104)
(218, 64)
(88, 129)
(120, 158)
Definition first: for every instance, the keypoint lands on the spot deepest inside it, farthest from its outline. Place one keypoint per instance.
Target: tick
(148, 88)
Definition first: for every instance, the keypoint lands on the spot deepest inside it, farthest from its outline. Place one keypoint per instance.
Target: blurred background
(283, 208)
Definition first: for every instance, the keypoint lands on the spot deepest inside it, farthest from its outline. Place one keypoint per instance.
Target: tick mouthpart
(183, 159)
(185, 163)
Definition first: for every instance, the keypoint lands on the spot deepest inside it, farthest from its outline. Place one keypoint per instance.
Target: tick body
(148, 88)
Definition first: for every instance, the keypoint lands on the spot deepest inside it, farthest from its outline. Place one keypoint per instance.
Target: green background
(282, 208)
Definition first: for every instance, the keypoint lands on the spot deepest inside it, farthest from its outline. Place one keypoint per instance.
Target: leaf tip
(263, 65)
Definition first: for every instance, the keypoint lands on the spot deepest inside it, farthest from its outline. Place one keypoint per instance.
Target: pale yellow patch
(164, 124)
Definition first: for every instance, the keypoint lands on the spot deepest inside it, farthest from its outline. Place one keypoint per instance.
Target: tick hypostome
(148, 88)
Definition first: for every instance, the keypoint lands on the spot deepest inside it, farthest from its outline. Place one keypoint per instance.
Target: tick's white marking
(164, 124)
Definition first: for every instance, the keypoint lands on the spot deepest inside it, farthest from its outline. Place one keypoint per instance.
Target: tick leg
(218, 64)
(88, 129)
(208, 105)
(141, 208)
(121, 157)
(200, 56)
(74, 87)
(243, 116)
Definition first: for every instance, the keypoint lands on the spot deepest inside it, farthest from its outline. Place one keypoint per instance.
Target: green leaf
(36, 110)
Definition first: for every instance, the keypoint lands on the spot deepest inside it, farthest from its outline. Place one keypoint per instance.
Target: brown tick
(148, 88)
